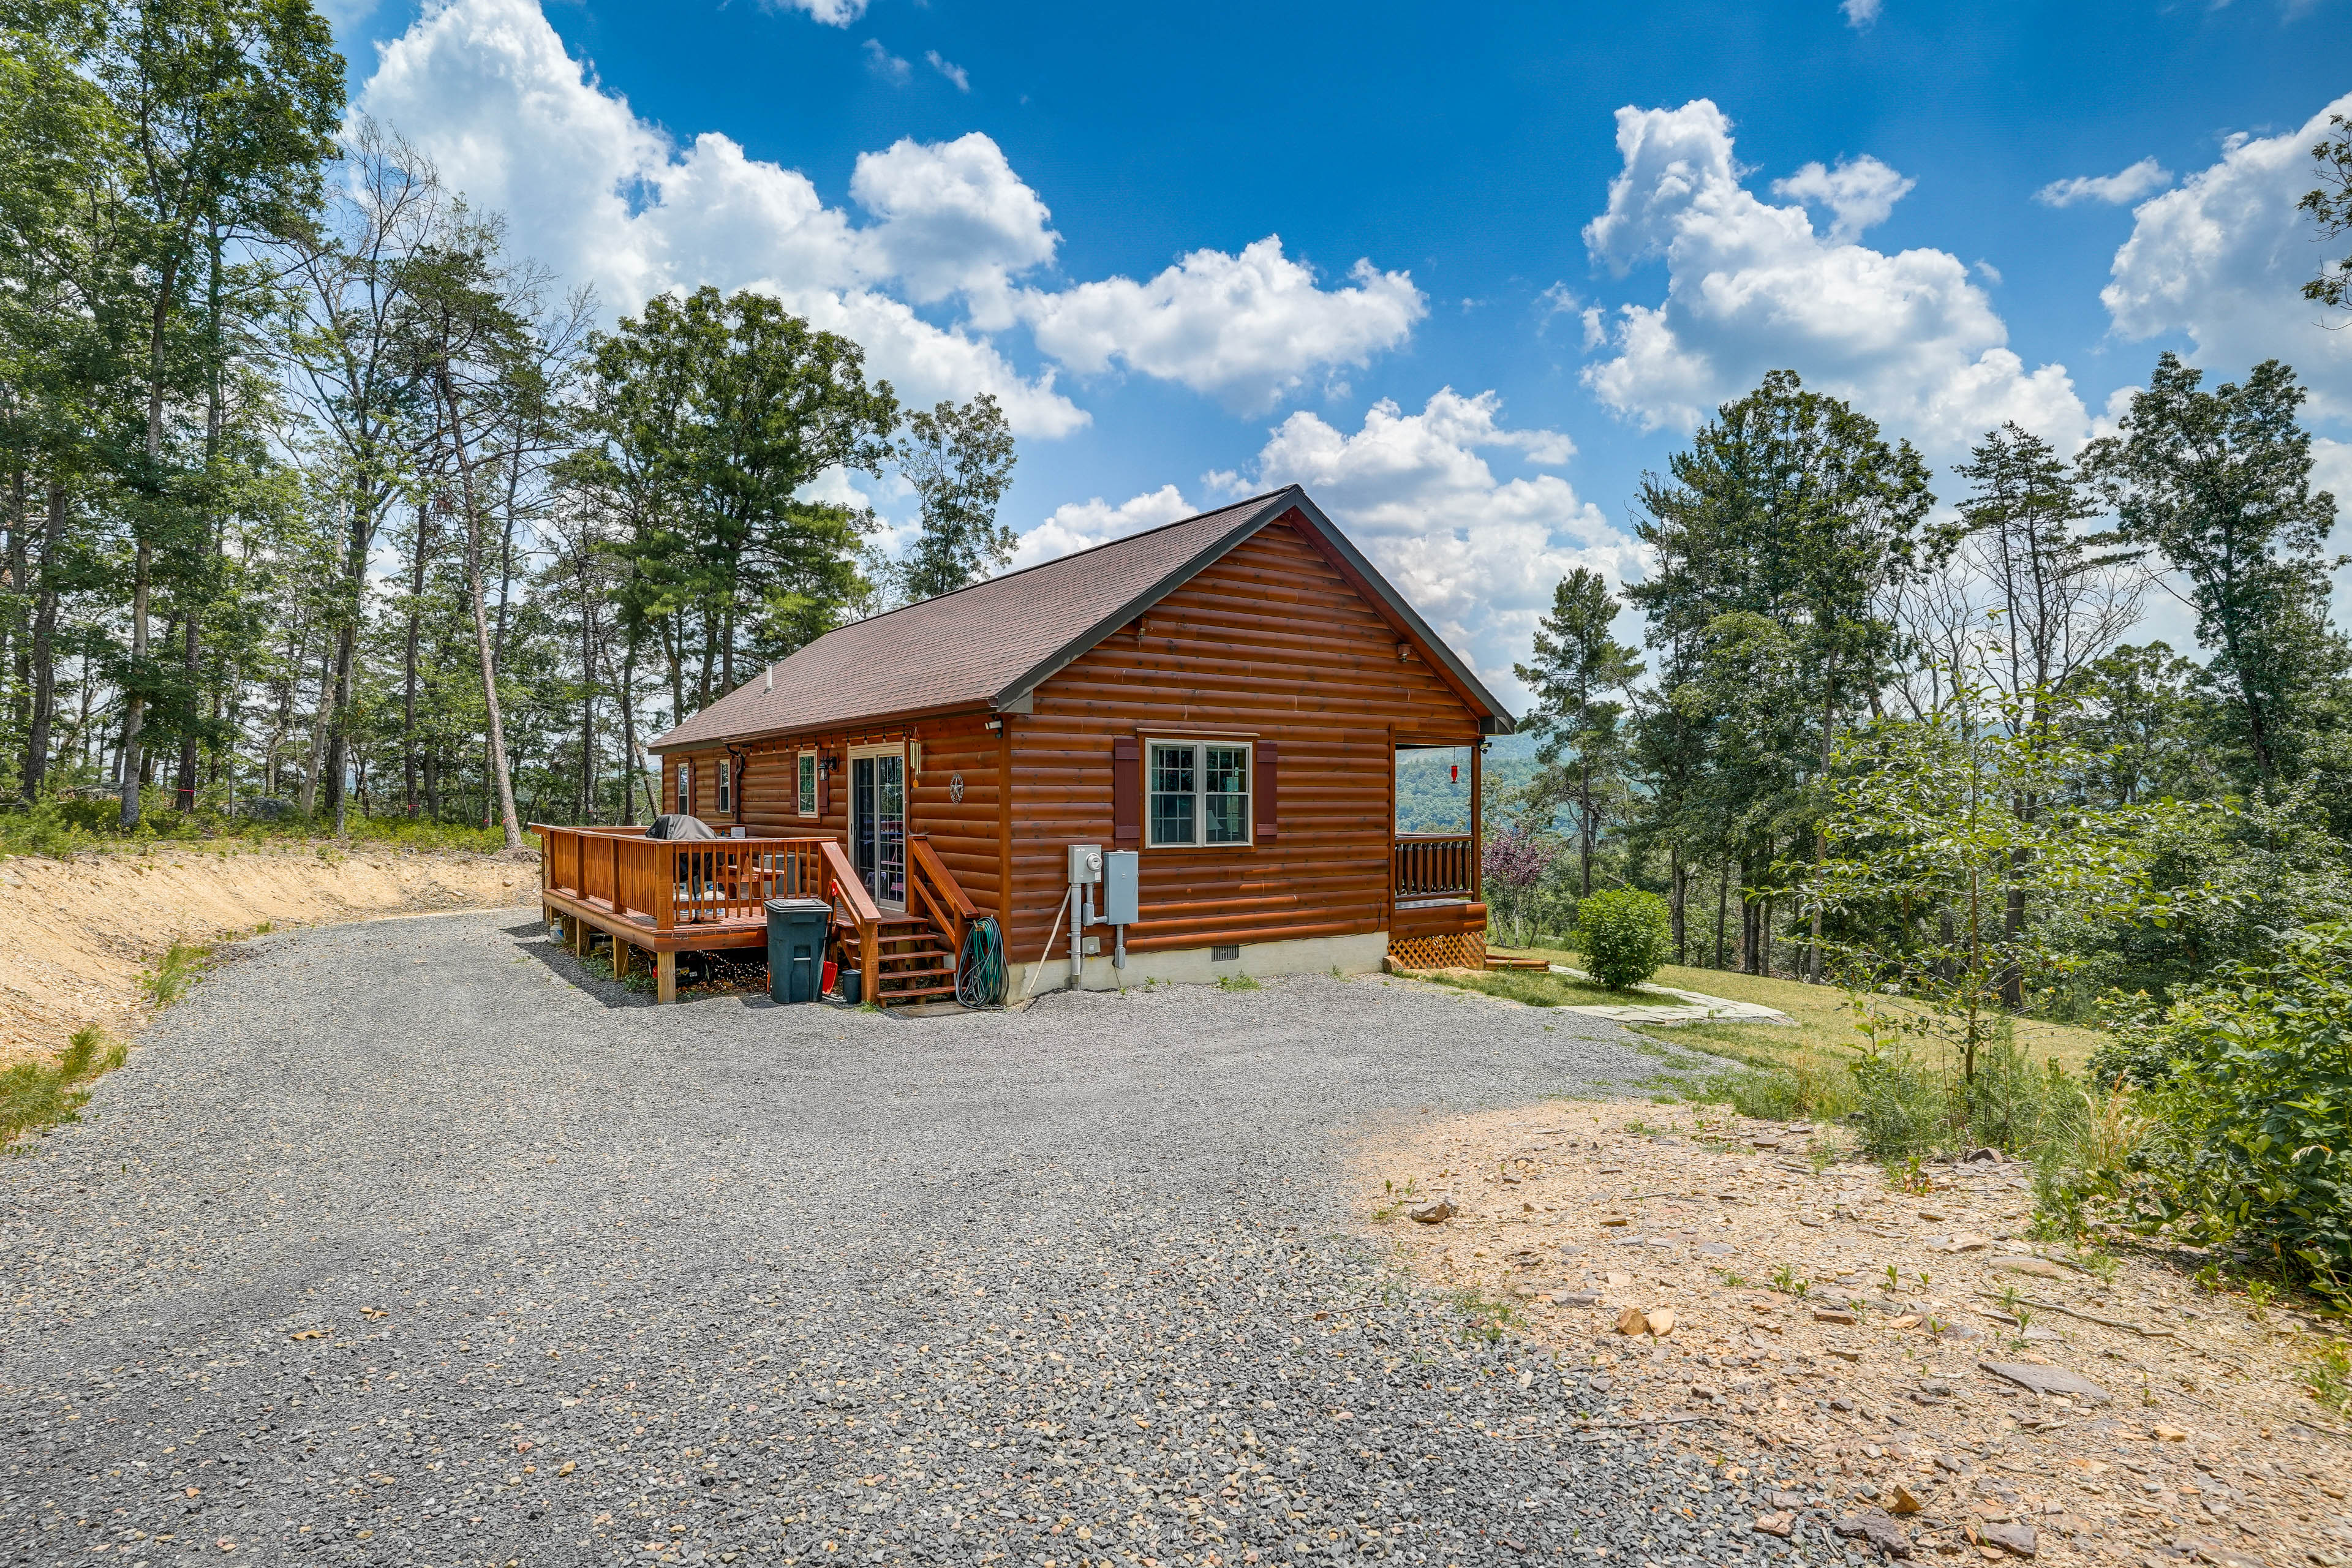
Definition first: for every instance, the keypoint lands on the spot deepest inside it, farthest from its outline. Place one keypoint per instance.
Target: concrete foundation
(1194, 965)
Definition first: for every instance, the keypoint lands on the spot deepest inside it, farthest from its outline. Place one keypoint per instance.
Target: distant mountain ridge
(1430, 799)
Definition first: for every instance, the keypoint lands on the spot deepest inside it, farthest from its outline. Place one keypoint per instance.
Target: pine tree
(1577, 665)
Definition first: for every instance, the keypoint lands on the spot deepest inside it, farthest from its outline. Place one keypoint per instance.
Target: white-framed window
(726, 786)
(807, 784)
(1196, 792)
(686, 789)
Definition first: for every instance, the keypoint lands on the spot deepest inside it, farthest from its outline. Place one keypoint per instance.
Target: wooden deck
(662, 897)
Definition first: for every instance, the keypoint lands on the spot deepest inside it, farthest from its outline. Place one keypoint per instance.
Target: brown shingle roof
(992, 643)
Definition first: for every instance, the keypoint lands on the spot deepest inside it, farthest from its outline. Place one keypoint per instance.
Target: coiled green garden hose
(980, 972)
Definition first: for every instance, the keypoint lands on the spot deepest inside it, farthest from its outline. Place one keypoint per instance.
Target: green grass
(1822, 1041)
(1535, 988)
(182, 965)
(37, 1094)
(1237, 982)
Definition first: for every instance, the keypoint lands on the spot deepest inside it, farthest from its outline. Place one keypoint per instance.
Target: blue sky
(1203, 249)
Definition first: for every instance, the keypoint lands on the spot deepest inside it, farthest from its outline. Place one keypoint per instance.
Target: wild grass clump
(182, 965)
(1801, 1092)
(35, 1094)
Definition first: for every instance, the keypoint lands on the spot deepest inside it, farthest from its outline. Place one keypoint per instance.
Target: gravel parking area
(400, 1243)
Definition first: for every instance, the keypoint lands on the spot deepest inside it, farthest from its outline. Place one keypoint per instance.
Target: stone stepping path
(1686, 1006)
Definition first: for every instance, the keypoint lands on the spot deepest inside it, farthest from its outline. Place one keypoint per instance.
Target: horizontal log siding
(1270, 640)
(963, 833)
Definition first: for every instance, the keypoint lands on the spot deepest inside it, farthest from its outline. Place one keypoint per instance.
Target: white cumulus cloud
(831, 12)
(1244, 329)
(955, 218)
(1082, 525)
(485, 88)
(2119, 189)
(2223, 259)
(1860, 193)
(1861, 14)
(1476, 554)
(1752, 287)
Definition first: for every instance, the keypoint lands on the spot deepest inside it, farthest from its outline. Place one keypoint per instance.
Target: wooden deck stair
(917, 963)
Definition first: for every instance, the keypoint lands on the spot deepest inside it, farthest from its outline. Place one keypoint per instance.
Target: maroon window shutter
(823, 784)
(1269, 790)
(1127, 791)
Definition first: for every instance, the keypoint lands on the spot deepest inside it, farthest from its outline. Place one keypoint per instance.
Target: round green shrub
(1624, 936)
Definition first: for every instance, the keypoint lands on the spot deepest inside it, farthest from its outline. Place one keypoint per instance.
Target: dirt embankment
(76, 935)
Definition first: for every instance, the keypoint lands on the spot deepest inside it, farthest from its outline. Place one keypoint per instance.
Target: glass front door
(878, 825)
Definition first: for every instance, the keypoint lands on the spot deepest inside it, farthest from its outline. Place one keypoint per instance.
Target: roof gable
(992, 644)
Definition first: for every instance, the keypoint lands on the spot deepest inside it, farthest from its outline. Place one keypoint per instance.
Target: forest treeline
(1811, 607)
(319, 500)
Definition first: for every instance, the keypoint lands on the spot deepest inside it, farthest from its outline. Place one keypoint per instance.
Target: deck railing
(674, 883)
(1435, 866)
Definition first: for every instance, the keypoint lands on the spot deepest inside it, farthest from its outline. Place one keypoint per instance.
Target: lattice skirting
(1460, 949)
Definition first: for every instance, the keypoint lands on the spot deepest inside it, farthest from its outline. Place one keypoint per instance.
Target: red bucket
(831, 976)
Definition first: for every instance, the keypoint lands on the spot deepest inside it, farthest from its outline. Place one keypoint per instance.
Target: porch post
(1477, 825)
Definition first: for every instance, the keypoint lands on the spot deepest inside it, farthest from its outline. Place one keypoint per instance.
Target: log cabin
(1226, 695)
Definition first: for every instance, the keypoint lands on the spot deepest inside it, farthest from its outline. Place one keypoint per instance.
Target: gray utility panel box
(796, 948)
(1086, 863)
(1122, 888)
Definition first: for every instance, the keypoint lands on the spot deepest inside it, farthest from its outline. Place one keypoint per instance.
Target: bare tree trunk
(45, 634)
(495, 721)
(587, 706)
(408, 660)
(134, 708)
(1677, 909)
(1722, 906)
(629, 734)
(1822, 836)
(319, 719)
(184, 780)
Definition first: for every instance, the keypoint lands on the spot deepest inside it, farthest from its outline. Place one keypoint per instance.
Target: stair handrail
(848, 889)
(944, 899)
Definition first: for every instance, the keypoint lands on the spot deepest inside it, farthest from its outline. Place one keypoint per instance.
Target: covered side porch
(657, 898)
(1437, 916)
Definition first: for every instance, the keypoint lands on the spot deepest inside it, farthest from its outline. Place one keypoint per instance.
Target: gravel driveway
(399, 1243)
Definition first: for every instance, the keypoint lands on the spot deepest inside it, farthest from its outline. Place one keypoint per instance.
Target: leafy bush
(1625, 936)
(2249, 1101)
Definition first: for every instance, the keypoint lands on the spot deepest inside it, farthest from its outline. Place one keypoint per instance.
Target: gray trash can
(796, 930)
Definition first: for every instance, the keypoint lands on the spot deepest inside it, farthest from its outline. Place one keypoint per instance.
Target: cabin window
(808, 784)
(1198, 792)
(686, 789)
(727, 787)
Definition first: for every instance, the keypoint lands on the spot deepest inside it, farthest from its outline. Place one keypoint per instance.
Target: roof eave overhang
(856, 722)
